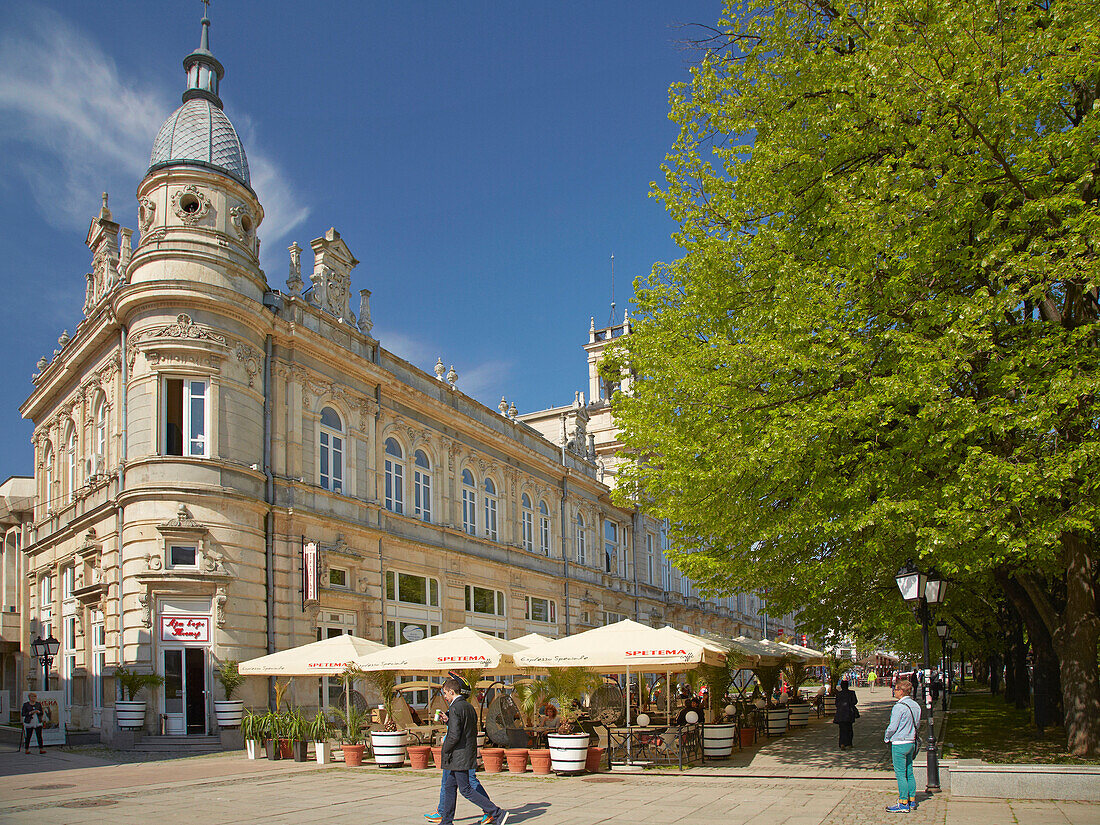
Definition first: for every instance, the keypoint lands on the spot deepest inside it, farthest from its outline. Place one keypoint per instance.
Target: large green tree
(881, 341)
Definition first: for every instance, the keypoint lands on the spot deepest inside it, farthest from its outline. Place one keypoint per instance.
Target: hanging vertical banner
(309, 571)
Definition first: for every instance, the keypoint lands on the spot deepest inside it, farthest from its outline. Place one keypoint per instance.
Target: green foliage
(796, 673)
(566, 686)
(296, 726)
(354, 723)
(229, 677)
(767, 679)
(881, 340)
(131, 683)
(383, 681)
(835, 668)
(252, 726)
(319, 728)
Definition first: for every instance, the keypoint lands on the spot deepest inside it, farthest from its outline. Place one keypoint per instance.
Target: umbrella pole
(629, 755)
(668, 696)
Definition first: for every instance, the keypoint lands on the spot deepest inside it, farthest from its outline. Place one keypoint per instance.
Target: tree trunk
(1046, 683)
(1019, 663)
(1076, 644)
(995, 674)
(1010, 671)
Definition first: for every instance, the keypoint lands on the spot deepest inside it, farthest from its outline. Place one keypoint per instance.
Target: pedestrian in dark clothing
(846, 714)
(33, 714)
(460, 758)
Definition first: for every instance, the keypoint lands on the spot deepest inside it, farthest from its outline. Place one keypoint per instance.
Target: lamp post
(924, 589)
(944, 632)
(951, 645)
(45, 651)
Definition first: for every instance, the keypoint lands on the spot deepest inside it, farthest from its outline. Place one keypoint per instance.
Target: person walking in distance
(32, 722)
(460, 759)
(871, 677)
(846, 714)
(901, 734)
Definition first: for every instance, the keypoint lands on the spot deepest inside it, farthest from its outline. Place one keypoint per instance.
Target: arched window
(395, 476)
(71, 478)
(490, 509)
(544, 528)
(47, 476)
(422, 486)
(579, 540)
(332, 450)
(469, 503)
(528, 524)
(101, 433)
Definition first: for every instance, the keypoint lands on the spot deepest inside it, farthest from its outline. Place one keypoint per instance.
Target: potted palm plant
(354, 722)
(796, 673)
(389, 743)
(718, 737)
(130, 711)
(835, 668)
(567, 686)
(767, 676)
(271, 727)
(298, 733)
(252, 731)
(228, 711)
(320, 731)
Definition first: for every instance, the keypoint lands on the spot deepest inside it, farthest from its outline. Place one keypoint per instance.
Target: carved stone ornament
(244, 222)
(153, 562)
(365, 322)
(294, 281)
(221, 597)
(182, 521)
(147, 211)
(146, 609)
(190, 204)
(183, 330)
(250, 358)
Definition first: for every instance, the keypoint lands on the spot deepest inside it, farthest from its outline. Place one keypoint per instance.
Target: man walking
(460, 760)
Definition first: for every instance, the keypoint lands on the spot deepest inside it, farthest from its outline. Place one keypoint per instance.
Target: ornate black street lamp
(45, 651)
(924, 589)
(944, 632)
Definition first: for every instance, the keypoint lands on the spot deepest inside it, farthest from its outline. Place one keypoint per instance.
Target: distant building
(16, 514)
(200, 430)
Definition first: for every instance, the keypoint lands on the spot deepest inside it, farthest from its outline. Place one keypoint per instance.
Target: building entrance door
(185, 690)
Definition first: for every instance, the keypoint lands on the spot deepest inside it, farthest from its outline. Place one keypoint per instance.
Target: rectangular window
(610, 545)
(68, 576)
(491, 518)
(398, 633)
(332, 462)
(422, 495)
(649, 558)
(182, 555)
(410, 589)
(185, 415)
(528, 531)
(612, 618)
(395, 487)
(544, 535)
(45, 593)
(337, 577)
(484, 600)
(469, 512)
(541, 610)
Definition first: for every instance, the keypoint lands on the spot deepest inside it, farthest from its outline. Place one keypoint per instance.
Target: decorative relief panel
(190, 204)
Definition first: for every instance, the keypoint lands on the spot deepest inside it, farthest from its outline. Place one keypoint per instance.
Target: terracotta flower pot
(286, 750)
(493, 759)
(592, 762)
(540, 761)
(418, 756)
(748, 736)
(437, 756)
(353, 754)
(517, 759)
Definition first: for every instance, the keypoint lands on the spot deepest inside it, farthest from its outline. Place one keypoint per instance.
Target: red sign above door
(184, 628)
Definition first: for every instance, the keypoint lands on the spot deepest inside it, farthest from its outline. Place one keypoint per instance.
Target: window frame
(527, 524)
(551, 610)
(579, 540)
(99, 419)
(422, 486)
(394, 476)
(170, 564)
(500, 606)
(544, 528)
(71, 472)
(187, 399)
(334, 452)
(392, 584)
(344, 574)
(469, 502)
(491, 500)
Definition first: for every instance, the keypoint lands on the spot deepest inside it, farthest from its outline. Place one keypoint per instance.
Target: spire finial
(204, 40)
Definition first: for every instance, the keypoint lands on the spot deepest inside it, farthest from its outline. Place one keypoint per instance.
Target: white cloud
(72, 127)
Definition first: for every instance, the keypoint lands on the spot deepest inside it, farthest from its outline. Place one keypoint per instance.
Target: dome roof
(199, 132)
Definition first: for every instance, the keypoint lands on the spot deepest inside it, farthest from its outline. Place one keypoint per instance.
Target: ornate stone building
(200, 428)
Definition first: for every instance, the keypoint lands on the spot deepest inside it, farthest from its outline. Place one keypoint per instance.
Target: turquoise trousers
(903, 769)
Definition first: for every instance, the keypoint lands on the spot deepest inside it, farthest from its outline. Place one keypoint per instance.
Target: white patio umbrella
(532, 639)
(457, 649)
(328, 657)
(625, 646)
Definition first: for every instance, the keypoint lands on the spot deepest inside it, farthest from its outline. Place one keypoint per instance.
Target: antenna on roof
(611, 323)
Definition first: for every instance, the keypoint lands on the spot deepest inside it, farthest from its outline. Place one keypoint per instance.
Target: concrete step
(179, 744)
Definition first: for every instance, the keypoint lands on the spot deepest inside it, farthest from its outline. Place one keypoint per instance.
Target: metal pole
(933, 784)
(944, 672)
(46, 672)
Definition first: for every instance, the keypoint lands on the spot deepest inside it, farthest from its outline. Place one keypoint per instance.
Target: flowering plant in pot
(228, 711)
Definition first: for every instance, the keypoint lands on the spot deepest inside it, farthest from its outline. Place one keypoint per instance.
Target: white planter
(389, 747)
(718, 741)
(568, 751)
(130, 714)
(228, 712)
(323, 751)
(254, 749)
(799, 715)
(777, 721)
(830, 707)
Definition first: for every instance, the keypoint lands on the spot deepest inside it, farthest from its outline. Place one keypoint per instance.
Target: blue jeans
(474, 784)
(903, 754)
(455, 782)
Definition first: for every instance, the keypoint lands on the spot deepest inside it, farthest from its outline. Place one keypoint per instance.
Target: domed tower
(196, 203)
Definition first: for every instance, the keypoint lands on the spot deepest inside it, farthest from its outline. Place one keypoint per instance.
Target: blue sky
(483, 161)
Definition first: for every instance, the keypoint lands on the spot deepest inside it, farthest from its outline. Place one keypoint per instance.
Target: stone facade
(199, 428)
